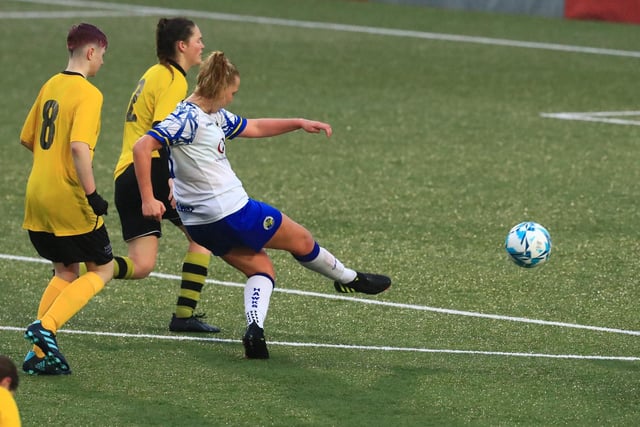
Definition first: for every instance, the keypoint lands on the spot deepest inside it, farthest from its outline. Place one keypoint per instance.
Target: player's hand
(97, 203)
(153, 209)
(312, 126)
(172, 200)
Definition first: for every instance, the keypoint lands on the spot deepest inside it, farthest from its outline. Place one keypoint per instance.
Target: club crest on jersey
(221, 146)
(268, 223)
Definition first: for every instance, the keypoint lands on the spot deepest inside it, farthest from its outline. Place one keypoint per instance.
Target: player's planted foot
(46, 340)
(366, 283)
(191, 324)
(255, 346)
(34, 365)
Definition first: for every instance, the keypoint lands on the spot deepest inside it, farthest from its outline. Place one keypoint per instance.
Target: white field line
(382, 303)
(156, 11)
(597, 116)
(342, 346)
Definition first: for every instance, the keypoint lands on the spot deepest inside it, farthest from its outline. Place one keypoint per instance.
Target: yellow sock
(71, 300)
(54, 288)
(122, 267)
(194, 274)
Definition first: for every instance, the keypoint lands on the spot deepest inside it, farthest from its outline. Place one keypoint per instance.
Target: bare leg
(143, 251)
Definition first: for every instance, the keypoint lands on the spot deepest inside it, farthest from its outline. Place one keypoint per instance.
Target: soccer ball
(528, 244)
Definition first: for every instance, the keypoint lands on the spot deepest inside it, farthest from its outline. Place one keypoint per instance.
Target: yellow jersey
(158, 93)
(9, 415)
(66, 110)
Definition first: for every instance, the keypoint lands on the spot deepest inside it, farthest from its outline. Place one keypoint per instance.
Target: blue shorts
(252, 226)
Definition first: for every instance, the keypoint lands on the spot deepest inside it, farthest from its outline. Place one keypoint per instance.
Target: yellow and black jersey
(159, 90)
(66, 110)
(9, 413)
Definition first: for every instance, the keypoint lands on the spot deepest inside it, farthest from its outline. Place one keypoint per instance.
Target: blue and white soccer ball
(528, 244)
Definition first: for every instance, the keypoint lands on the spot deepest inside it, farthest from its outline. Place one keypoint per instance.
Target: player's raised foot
(34, 365)
(191, 324)
(46, 340)
(255, 346)
(366, 283)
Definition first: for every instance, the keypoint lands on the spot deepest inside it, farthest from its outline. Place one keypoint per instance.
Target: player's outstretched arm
(260, 128)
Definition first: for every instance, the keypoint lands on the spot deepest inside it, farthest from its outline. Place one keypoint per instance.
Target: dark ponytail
(168, 32)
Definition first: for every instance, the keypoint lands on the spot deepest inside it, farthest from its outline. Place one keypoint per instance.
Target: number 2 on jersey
(131, 117)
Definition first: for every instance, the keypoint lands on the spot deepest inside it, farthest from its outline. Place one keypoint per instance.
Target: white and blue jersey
(211, 200)
(206, 189)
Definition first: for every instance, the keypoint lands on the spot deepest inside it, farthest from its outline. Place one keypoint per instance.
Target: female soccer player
(63, 211)
(179, 47)
(215, 207)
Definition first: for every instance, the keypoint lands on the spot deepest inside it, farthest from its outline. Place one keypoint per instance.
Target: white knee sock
(257, 293)
(329, 266)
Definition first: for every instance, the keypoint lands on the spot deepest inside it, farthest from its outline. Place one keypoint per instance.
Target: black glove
(98, 204)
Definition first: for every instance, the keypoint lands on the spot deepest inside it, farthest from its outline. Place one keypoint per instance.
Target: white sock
(257, 293)
(329, 266)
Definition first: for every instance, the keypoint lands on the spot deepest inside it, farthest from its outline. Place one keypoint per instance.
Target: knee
(143, 266)
(308, 243)
(305, 246)
(104, 272)
(302, 245)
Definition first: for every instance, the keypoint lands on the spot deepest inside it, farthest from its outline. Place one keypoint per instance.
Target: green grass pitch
(442, 142)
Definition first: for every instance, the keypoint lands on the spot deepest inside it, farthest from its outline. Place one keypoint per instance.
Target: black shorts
(93, 246)
(129, 202)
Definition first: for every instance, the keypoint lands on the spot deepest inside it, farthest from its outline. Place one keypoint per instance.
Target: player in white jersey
(214, 206)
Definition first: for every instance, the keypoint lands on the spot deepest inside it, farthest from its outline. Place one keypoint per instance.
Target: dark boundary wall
(605, 10)
(551, 8)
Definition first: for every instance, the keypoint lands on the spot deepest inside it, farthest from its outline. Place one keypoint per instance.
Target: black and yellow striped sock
(194, 274)
(122, 267)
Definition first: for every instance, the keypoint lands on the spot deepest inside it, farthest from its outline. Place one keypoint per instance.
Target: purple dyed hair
(83, 34)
